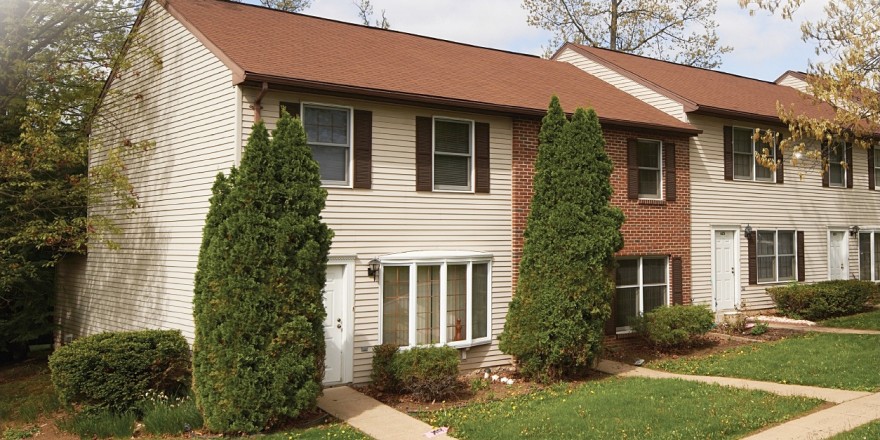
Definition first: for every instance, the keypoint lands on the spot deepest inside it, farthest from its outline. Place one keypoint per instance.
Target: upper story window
(453, 154)
(328, 130)
(436, 299)
(776, 256)
(649, 158)
(745, 167)
(836, 170)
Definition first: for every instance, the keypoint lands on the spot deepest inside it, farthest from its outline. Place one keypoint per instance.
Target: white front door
(335, 298)
(837, 261)
(725, 270)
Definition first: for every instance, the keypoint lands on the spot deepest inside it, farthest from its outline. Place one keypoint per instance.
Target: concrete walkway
(372, 417)
(854, 408)
(819, 329)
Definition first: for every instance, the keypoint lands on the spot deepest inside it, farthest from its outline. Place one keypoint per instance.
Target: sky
(764, 46)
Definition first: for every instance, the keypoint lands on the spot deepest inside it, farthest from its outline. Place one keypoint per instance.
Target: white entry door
(725, 270)
(837, 261)
(335, 299)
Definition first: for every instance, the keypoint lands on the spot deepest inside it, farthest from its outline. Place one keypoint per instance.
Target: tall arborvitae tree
(258, 355)
(563, 297)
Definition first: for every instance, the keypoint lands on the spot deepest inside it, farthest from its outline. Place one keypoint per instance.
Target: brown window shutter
(610, 325)
(424, 161)
(849, 166)
(801, 264)
(753, 257)
(825, 178)
(632, 165)
(728, 152)
(871, 176)
(363, 149)
(780, 166)
(291, 107)
(669, 159)
(481, 157)
(677, 280)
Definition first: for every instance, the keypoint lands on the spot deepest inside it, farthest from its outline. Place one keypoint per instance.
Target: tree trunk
(612, 28)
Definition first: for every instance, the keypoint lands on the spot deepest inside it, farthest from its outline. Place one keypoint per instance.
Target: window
(453, 154)
(329, 135)
(836, 169)
(869, 255)
(436, 302)
(776, 256)
(641, 287)
(745, 167)
(650, 169)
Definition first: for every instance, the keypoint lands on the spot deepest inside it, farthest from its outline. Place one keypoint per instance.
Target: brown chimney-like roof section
(712, 91)
(295, 49)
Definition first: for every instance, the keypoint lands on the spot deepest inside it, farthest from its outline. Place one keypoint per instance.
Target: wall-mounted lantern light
(748, 229)
(853, 230)
(373, 268)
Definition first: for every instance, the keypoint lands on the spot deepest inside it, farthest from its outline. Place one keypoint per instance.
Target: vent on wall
(68, 338)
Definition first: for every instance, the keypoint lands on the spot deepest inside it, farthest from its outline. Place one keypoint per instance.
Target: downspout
(258, 103)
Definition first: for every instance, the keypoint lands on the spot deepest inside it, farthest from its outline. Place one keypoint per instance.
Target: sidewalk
(372, 417)
(854, 408)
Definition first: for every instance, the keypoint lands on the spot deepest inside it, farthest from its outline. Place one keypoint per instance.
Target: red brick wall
(651, 228)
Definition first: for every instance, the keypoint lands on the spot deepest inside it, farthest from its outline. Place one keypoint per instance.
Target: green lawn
(863, 321)
(824, 360)
(871, 431)
(635, 408)
(338, 431)
(27, 393)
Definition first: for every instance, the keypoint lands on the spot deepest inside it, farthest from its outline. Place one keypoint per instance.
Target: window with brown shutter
(363, 149)
(632, 165)
(728, 152)
(424, 160)
(481, 157)
(780, 166)
(291, 107)
(849, 165)
(677, 280)
(801, 264)
(751, 238)
(872, 172)
(669, 151)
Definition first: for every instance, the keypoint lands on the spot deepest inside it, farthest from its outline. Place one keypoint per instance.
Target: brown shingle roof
(263, 44)
(709, 90)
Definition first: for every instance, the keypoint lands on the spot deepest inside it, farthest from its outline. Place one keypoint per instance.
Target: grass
(99, 424)
(20, 433)
(871, 431)
(624, 408)
(338, 431)
(862, 321)
(163, 417)
(27, 393)
(823, 360)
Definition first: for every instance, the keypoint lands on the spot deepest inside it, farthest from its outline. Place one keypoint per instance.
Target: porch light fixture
(373, 268)
(853, 230)
(748, 229)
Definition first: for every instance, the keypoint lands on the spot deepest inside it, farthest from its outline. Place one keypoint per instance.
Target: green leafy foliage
(382, 373)
(825, 299)
(675, 326)
(563, 296)
(115, 370)
(429, 373)
(259, 345)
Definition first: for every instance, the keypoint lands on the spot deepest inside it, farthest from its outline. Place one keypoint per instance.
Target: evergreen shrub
(675, 326)
(383, 368)
(258, 355)
(822, 300)
(429, 373)
(115, 370)
(563, 296)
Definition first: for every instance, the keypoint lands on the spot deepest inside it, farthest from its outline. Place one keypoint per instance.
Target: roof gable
(261, 44)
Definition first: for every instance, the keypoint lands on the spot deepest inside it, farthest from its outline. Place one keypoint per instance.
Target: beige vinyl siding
(793, 82)
(393, 217)
(798, 204)
(616, 79)
(187, 107)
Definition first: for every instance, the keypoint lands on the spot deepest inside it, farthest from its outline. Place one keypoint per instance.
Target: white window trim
(641, 286)
(776, 232)
(755, 165)
(662, 165)
(873, 232)
(471, 156)
(415, 259)
(844, 170)
(349, 166)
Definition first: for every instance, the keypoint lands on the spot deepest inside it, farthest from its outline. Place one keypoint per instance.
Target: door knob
(339, 326)
(733, 270)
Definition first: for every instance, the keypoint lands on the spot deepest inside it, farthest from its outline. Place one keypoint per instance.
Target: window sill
(766, 182)
(458, 345)
(336, 185)
(658, 202)
(770, 283)
(453, 191)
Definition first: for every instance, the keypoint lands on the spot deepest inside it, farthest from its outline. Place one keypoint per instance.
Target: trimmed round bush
(675, 326)
(115, 370)
(383, 367)
(825, 299)
(429, 373)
